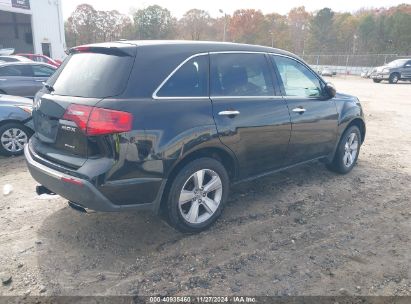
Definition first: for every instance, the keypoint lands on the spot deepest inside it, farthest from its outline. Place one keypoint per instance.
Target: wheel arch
(226, 158)
(6, 121)
(360, 124)
(356, 121)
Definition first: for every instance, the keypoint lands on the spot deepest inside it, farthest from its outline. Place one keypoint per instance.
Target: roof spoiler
(101, 50)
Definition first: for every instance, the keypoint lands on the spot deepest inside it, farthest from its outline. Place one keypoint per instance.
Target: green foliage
(154, 22)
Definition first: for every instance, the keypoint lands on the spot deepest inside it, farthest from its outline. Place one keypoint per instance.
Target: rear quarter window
(92, 75)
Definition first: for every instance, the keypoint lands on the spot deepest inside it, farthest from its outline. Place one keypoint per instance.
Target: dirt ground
(305, 231)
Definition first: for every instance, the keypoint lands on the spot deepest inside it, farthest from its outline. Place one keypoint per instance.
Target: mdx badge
(68, 128)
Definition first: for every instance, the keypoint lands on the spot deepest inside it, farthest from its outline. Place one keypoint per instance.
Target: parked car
(16, 125)
(23, 78)
(170, 125)
(6, 52)
(327, 72)
(42, 58)
(394, 71)
(14, 58)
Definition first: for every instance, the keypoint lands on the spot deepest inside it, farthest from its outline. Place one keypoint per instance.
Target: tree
(245, 26)
(194, 24)
(82, 24)
(383, 30)
(86, 25)
(367, 31)
(321, 37)
(154, 22)
(277, 28)
(346, 37)
(298, 21)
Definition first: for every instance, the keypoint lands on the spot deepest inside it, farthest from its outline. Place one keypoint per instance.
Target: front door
(406, 70)
(314, 117)
(251, 120)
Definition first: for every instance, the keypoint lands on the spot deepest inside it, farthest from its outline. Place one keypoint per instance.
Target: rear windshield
(92, 75)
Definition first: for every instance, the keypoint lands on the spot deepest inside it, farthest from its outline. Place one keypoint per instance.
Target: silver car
(24, 78)
(15, 58)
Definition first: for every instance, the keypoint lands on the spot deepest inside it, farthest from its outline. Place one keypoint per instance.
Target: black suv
(168, 125)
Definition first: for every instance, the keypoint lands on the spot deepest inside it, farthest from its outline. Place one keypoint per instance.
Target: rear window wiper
(49, 87)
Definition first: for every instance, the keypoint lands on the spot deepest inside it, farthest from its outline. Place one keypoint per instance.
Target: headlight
(27, 109)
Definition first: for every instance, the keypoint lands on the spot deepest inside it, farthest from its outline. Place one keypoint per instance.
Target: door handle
(299, 110)
(229, 113)
(39, 80)
(3, 79)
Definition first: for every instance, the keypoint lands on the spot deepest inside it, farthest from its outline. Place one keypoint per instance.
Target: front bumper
(380, 76)
(79, 191)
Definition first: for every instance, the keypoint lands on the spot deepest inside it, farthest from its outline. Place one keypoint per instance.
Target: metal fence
(348, 64)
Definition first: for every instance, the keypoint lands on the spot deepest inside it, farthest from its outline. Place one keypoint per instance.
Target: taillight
(98, 121)
(104, 121)
(78, 114)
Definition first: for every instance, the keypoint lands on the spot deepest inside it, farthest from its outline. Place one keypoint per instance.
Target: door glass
(42, 71)
(297, 79)
(16, 70)
(190, 80)
(240, 75)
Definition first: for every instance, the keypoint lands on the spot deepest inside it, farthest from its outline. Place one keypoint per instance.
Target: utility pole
(225, 24)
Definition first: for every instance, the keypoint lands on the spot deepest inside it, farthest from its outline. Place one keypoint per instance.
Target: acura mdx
(170, 125)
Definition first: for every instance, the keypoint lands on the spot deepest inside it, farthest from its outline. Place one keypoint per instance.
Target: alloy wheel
(13, 140)
(350, 150)
(200, 196)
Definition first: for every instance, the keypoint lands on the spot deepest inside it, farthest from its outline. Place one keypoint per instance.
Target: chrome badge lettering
(68, 128)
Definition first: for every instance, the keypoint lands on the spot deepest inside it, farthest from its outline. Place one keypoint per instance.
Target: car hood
(380, 68)
(14, 100)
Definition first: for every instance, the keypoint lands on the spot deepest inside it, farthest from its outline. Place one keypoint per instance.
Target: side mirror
(330, 90)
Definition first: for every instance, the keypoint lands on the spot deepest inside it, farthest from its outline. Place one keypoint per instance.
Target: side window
(190, 80)
(9, 71)
(408, 64)
(240, 75)
(42, 71)
(16, 70)
(7, 59)
(297, 79)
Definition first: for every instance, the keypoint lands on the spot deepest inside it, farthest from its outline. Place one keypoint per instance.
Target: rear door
(85, 78)
(17, 80)
(314, 117)
(251, 120)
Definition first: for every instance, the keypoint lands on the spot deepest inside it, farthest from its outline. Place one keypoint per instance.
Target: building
(32, 26)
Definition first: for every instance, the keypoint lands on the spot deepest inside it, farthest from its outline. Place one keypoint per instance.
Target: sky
(179, 7)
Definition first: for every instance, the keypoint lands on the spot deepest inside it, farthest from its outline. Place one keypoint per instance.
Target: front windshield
(397, 63)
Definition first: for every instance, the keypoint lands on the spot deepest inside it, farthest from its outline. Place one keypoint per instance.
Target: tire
(197, 210)
(344, 160)
(13, 136)
(377, 80)
(394, 77)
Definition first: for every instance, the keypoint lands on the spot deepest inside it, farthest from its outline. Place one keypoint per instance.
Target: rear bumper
(79, 191)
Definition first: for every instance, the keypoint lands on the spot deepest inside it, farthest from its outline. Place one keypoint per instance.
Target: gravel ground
(305, 231)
